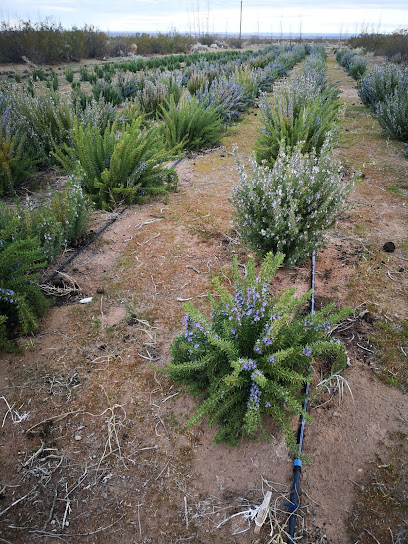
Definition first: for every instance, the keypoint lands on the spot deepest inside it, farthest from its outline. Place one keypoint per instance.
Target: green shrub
(53, 222)
(191, 124)
(290, 207)
(253, 356)
(69, 75)
(392, 115)
(302, 111)
(21, 300)
(44, 118)
(38, 74)
(15, 166)
(118, 166)
(152, 97)
(381, 83)
(83, 73)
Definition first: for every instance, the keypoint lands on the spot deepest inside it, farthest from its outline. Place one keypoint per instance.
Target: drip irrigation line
(64, 264)
(297, 463)
(108, 224)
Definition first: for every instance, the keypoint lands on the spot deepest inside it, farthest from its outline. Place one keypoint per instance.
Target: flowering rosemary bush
(354, 64)
(253, 356)
(226, 96)
(392, 115)
(303, 110)
(290, 207)
(53, 223)
(381, 83)
(126, 165)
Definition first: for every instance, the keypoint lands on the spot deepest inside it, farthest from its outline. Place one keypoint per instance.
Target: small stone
(78, 437)
(100, 291)
(389, 247)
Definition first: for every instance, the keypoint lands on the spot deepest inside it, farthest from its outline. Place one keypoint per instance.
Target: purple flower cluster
(248, 364)
(307, 351)
(7, 295)
(254, 397)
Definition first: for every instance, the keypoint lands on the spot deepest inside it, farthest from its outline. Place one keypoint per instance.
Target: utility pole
(240, 27)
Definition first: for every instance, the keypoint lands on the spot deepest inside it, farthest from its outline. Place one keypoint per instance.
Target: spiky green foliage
(21, 300)
(191, 124)
(15, 166)
(115, 166)
(252, 357)
(69, 75)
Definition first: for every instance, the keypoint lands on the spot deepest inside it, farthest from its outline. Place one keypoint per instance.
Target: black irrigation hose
(297, 464)
(108, 224)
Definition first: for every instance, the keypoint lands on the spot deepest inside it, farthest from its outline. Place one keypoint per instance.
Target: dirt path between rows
(108, 456)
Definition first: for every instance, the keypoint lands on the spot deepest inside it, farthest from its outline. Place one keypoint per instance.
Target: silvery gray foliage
(290, 207)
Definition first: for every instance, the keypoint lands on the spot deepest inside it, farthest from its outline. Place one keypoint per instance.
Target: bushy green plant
(191, 124)
(115, 166)
(45, 117)
(253, 356)
(83, 73)
(109, 92)
(52, 81)
(302, 111)
(38, 74)
(357, 68)
(69, 75)
(392, 115)
(381, 83)
(21, 300)
(15, 167)
(290, 207)
(53, 222)
(152, 97)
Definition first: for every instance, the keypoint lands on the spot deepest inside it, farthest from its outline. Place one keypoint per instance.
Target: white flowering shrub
(392, 114)
(289, 207)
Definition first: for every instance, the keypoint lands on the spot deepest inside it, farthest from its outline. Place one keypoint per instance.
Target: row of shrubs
(352, 61)
(385, 91)
(32, 125)
(111, 156)
(253, 356)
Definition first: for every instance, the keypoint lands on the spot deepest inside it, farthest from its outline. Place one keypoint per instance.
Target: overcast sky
(218, 16)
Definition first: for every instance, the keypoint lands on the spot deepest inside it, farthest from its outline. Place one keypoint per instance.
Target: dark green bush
(191, 124)
(252, 358)
(21, 300)
(118, 166)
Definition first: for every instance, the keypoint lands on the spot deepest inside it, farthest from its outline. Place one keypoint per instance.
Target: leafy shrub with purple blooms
(252, 357)
(289, 207)
(303, 109)
(227, 97)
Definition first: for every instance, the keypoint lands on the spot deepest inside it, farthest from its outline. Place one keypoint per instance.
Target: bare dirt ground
(94, 445)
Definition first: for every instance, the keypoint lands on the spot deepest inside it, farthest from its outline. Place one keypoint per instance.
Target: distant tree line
(392, 46)
(47, 43)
